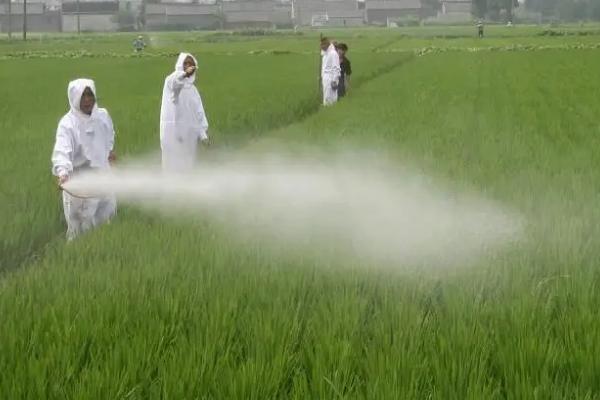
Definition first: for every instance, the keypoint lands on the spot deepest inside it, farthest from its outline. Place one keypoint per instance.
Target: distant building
(381, 12)
(178, 16)
(455, 11)
(256, 14)
(212, 15)
(92, 16)
(346, 18)
(329, 12)
(39, 19)
(112, 15)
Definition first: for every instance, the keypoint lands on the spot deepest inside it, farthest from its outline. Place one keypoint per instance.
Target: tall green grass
(244, 95)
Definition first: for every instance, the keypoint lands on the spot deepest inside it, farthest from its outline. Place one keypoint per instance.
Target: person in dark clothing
(480, 28)
(346, 69)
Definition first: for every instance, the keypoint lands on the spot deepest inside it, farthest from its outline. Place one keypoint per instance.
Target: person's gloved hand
(334, 85)
(112, 157)
(189, 71)
(62, 179)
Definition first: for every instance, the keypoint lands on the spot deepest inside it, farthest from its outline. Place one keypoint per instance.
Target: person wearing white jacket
(182, 118)
(330, 72)
(84, 141)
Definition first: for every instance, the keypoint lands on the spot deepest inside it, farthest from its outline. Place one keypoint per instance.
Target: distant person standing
(480, 29)
(345, 70)
(330, 72)
(139, 44)
(182, 118)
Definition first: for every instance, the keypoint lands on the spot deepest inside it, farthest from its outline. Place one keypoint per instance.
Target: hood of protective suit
(75, 91)
(179, 67)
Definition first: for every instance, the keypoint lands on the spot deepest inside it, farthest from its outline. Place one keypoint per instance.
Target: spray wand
(82, 197)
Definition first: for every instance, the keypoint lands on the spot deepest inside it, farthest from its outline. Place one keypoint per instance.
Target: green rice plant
(151, 307)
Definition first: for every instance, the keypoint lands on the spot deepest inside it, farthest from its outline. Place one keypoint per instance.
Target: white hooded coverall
(83, 142)
(182, 119)
(330, 75)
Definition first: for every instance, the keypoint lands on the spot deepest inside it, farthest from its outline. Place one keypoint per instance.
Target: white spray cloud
(352, 202)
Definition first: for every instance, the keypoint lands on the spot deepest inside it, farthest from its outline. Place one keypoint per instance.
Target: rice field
(155, 307)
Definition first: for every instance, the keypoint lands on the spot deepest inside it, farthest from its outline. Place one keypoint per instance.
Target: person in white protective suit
(182, 118)
(330, 72)
(84, 141)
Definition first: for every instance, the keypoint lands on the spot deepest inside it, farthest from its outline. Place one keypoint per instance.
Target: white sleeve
(176, 81)
(111, 132)
(201, 115)
(203, 127)
(203, 134)
(325, 64)
(337, 70)
(174, 84)
(332, 65)
(62, 154)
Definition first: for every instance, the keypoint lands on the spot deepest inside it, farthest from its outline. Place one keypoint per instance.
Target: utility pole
(24, 20)
(221, 15)
(78, 19)
(293, 15)
(9, 19)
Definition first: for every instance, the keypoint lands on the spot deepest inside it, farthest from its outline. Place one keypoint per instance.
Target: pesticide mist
(351, 202)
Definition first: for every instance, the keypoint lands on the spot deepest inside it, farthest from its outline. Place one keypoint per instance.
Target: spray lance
(62, 188)
(85, 168)
(77, 196)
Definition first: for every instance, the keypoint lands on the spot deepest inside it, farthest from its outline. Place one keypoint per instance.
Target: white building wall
(95, 23)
